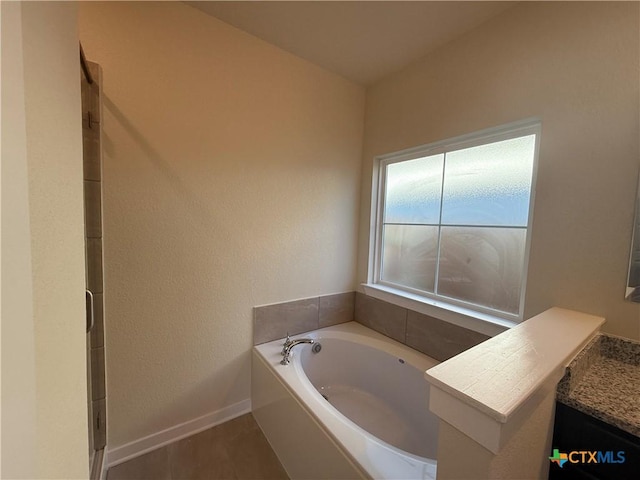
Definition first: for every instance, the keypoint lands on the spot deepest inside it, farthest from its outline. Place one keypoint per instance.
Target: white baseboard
(154, 441)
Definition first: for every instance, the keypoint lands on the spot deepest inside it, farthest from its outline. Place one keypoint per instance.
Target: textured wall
(231, 179)
(54, 152)
(524, 455)
(575, 65)
(44, 404)
(18, 344)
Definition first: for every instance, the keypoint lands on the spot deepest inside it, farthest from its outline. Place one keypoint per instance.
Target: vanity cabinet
(576, 431)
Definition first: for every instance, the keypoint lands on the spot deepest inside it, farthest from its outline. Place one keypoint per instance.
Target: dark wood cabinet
(618, 452)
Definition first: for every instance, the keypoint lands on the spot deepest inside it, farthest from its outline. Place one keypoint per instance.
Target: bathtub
(358, 408)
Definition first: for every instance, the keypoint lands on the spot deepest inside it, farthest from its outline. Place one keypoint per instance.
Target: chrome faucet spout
(286, 343)
(286, 351)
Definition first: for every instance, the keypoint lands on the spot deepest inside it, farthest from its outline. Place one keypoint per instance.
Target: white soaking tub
(358, 408)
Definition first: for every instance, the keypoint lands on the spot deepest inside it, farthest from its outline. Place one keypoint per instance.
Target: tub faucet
(286, 343)
(286, 351)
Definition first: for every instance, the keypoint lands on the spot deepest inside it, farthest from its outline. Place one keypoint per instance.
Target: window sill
(463, 317)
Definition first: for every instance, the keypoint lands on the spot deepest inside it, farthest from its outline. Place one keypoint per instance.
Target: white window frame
(454, 311)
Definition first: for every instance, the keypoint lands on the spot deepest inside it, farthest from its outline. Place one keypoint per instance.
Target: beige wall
(575, 65)
(524, 455)
(18, 357)
(44, 409)
(231, 179)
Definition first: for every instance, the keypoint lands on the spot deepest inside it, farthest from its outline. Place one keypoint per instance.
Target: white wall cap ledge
(488, 390)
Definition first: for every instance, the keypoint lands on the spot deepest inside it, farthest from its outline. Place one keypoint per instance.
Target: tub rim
(360, 446)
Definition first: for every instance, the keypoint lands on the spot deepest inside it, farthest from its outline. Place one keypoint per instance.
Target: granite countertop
(603, 381)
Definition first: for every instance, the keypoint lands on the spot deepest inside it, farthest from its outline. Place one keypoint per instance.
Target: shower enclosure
(92, 174)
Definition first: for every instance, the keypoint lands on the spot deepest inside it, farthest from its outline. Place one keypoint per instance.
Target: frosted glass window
(410, 256)
(489, 184)
(482, 266)
(453, 223)
(413, 191)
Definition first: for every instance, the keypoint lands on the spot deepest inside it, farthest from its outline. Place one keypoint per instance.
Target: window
(453, 219)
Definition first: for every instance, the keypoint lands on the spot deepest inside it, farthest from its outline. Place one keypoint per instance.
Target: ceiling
(360, 40)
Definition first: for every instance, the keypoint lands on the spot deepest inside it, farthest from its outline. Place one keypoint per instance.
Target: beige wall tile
(99, 411)
(335, 309)
(438, 339)
(275, 321)
(97, 333)
(97, 374)
(388, 319)
(94, 265)
(93, 209)
(91, 154)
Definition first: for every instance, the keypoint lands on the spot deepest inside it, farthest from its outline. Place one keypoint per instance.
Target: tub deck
(312, 438)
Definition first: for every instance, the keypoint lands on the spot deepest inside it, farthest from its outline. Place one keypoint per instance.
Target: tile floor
(235, 450)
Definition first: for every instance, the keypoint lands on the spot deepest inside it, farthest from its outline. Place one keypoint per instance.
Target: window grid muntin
(511, 131)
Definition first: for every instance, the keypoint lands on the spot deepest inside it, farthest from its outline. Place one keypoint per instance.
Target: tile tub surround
(435, 338)
(603, 381)
(271, 322)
